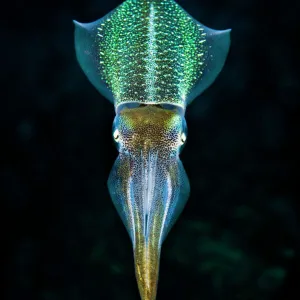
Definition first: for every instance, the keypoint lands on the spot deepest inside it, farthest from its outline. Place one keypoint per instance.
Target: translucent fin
(218, 42)
(87, 52)
(130, 55)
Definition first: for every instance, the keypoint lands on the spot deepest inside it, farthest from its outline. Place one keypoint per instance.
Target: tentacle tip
(147, 269)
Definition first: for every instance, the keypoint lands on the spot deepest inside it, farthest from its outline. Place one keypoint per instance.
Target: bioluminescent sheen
(150, 59)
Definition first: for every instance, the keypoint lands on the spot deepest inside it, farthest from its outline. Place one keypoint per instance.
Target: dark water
(238, 237)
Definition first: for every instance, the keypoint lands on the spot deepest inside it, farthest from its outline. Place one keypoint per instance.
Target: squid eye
(116, 135)
(182, 138)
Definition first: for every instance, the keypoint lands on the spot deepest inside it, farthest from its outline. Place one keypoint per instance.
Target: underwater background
(237, 238)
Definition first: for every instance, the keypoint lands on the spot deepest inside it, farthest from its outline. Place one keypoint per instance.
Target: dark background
(238, 236)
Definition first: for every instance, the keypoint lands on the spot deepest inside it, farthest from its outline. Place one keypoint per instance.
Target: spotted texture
(148, 184)
(151, 59)
(151, 52)
(150, 128)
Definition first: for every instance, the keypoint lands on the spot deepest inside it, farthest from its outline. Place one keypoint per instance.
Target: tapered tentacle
(149, 193)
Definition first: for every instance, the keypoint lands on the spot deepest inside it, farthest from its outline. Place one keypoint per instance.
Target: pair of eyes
(116, 136)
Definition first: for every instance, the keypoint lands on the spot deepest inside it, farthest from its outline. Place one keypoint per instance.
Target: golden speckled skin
(150, 127)
(148, 183)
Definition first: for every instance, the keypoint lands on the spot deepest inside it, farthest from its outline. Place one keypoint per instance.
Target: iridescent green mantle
(150, 52)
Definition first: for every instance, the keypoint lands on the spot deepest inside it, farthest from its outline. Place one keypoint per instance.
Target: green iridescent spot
(150, 52)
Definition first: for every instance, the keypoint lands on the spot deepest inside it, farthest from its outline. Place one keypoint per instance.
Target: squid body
(150, 58)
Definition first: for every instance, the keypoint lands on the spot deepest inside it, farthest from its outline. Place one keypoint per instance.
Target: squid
(151, 59)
